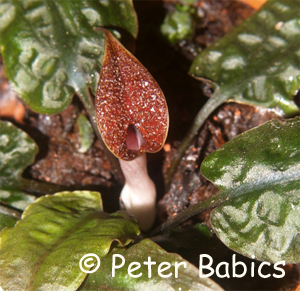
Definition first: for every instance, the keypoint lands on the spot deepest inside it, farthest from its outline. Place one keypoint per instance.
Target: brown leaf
(131, 110)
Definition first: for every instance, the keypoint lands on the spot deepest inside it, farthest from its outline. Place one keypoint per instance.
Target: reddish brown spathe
(128, 94)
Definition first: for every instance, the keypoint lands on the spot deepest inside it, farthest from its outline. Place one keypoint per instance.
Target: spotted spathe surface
(128, 95)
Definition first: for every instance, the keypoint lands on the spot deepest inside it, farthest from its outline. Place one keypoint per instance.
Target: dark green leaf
(188, 278)
(259, 173)
(257, 62)
(17, 151)
(7, 221)
(44, 249)
(51, 50)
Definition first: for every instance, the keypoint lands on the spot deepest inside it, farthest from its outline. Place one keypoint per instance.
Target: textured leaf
(258, 62)
(7, 221)
(42, 252)
(50, 49)
(259, 172)
(17, 151)
(131, 110)
(188, 278)
(86, 133)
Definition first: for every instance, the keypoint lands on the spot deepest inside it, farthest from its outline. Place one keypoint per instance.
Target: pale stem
(139, 193)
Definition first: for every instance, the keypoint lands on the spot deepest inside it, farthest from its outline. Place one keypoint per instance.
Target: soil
(60, 162)
(188, 186)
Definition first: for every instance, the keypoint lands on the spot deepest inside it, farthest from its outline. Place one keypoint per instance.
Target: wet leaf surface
(163, 62)
(274, 77)
(228, 66)
(44, 249)
(17, 151)
(193, 240)
(259, 172)
(50, 49)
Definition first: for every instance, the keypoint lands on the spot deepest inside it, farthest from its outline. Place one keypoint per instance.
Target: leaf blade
(50, 49)
(262, 225)
(7, 221)
(55, 232)
(259, 171)
(251, 65)
(255, 66)
(17, 151)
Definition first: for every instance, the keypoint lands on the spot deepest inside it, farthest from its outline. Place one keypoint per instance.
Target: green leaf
(17, 151)
(179, 24)
(188, 278)
(258, 173)
(44, 249)
(86, 133)
(7, 221)
(257, 62)
(51, 50)
(14, 197)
